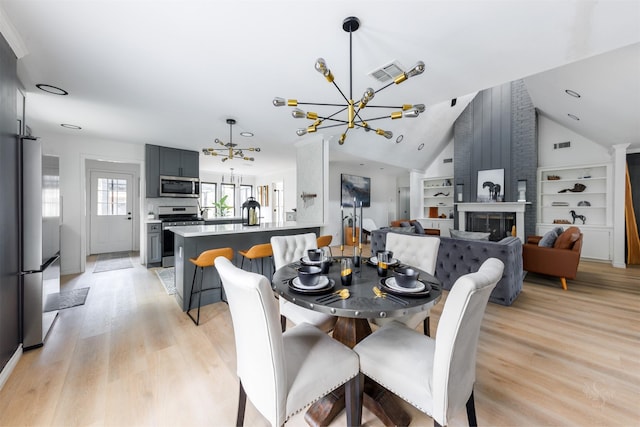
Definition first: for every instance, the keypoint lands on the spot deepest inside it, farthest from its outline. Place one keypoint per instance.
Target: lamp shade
(251, 212)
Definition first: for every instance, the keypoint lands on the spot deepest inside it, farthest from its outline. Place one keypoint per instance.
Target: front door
(111, 208)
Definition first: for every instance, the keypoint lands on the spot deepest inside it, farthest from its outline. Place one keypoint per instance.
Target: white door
(111, 206)
(403, 203)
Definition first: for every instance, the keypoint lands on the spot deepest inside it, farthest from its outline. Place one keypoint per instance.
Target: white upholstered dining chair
(287, 249)
(282, 373)
(418, 251)
(435, 375)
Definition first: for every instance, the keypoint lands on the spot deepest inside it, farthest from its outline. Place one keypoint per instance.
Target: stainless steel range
(175, 216)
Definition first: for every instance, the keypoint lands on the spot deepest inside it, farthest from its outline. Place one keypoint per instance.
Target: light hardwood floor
(130, 356)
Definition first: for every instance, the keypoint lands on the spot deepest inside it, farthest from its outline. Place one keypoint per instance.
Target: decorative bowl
(406, 277)
(309, 275)
(314, 254)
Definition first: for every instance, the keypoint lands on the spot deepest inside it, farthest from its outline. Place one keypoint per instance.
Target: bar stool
(255, 252)
(204, 260)
(325, 241)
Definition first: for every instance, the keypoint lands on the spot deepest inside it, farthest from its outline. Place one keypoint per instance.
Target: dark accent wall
(498, 130)
(9, 266)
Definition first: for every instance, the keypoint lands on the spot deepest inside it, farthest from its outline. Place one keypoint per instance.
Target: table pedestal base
(376, 398)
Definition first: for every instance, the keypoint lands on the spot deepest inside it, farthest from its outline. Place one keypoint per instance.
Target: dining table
(369, 296)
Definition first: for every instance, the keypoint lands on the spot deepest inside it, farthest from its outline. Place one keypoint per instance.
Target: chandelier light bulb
(387, 134)
(411, 113)
(416, 70)
(279, 102)
(419, 107)
(298, 113)
(301, 132)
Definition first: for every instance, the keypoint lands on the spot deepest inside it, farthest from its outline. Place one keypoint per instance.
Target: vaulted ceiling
(171, 72)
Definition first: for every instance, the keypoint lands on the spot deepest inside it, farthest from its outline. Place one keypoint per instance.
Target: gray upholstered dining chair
(435, 375)
(282, 373)
(418, 251)
(287, 249)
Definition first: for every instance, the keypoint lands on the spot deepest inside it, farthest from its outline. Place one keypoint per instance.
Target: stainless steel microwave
(179, 186)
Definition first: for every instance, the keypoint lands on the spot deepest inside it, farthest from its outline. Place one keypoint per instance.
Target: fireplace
(501, 216)
(499, 224)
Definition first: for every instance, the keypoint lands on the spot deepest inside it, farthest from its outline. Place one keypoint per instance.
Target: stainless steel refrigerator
(40, 240)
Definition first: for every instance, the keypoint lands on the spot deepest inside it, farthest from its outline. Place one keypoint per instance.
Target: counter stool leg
(193, 285)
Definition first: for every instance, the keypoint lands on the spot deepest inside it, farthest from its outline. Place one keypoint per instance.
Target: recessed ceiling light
(421, 146)
(399, 139)
(574, 117)
(246, 134)
(52, 89)
(68, 126)
(572, 93)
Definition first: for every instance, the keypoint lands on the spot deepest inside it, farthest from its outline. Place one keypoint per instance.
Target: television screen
(355, 186)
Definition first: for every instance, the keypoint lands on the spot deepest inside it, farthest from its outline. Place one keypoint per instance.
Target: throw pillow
(469, 235)
(567, 238)
(549, 238)
(419, 229)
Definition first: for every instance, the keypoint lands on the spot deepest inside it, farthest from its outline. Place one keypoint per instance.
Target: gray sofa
(457, 257)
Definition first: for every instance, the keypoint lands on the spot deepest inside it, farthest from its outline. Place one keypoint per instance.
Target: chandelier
(354, 108)
(231, 150)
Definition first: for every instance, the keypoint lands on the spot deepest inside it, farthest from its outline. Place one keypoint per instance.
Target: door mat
(167, 277)
(112, 261)
(66, 299)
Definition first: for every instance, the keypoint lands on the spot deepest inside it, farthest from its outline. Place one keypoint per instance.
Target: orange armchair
(561, 260)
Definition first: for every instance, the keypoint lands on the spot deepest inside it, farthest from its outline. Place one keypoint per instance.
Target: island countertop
(187, 231)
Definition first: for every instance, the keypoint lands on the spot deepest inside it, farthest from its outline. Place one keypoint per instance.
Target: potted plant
(221, 206)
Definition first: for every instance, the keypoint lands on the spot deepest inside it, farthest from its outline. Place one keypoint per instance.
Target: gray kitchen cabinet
(152, 170)
(154, 243)
(176, 162)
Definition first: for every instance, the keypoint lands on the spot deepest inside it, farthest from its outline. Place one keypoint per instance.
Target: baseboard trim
(10, 366)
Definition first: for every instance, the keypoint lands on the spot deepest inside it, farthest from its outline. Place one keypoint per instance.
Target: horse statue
(575, 215)
(494, 189)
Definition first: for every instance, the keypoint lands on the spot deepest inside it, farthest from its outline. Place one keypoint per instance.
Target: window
(228, 190)
(246, 191)
(50, 196)
(208, 198)
(112, 196)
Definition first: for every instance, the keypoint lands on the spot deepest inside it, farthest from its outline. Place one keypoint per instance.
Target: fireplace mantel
(517, 207)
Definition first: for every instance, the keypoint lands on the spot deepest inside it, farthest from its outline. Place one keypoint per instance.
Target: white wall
(73, 152)
(583, 151)
(312, 156)
(384, 188)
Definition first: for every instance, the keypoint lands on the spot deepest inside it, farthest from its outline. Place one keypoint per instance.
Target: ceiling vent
(449, 160)
(562, 145)
(387, 72)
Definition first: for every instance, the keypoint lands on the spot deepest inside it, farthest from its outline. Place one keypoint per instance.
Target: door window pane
(228, 190)
(111, 196)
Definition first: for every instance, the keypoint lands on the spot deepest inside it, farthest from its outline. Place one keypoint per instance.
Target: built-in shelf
(597, 227)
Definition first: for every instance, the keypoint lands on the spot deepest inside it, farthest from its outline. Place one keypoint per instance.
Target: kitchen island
(190, 241)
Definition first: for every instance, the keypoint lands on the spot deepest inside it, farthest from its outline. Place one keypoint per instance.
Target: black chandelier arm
(384, 87)
(340, 90)
(322, 104)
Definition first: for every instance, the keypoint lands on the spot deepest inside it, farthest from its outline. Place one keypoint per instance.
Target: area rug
(66, 299)
(167, 277)
(112, 261)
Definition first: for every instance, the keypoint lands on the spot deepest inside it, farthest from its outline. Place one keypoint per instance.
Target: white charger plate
(391, 283)
(322, 282)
